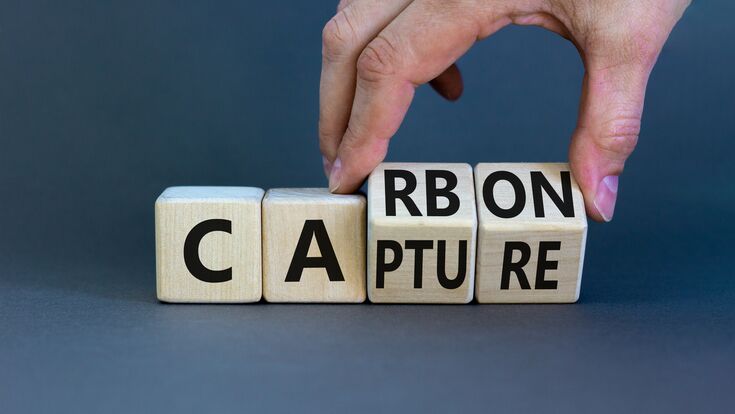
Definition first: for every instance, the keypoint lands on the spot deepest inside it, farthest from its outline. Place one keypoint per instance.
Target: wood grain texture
(178, 210)
(285, 212)
(400, 284)
(495, 233)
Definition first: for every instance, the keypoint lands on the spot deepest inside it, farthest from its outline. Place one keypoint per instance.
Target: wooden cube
(532, 233)
(422, 225)
(314, 246)
(208, 244)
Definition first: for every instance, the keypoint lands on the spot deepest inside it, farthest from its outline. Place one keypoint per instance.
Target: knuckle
(638, 48)
(618, 137)
(378, 60)
(338, 36)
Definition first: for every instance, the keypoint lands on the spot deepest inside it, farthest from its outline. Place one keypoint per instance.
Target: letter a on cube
(421, 233)
(532, 233)
(208, 244)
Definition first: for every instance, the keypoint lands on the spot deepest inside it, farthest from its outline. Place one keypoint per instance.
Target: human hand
(376, 52)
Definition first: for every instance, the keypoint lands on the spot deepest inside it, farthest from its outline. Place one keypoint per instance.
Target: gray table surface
(104, 105)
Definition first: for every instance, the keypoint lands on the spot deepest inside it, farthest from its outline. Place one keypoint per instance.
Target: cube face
(314, 246)
(532, 233)
(208, 244)
(422, 227)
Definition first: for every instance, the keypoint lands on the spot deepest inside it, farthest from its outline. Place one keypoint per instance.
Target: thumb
(607, 132)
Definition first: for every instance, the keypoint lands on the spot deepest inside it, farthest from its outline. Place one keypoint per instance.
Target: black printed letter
(441, 270)
(191, 251)
(381, 266)
(418, 258)
(544, 265)
(565, 204)
(391, 194)
(300, 259)
(489, 196)
(517, 267)
(432, 193)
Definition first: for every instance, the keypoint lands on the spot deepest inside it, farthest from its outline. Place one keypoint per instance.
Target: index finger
(421, 43)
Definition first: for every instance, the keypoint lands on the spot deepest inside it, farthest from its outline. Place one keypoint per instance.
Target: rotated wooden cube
(422, 225)
(313, 246)
(532, 233)
(208, 244)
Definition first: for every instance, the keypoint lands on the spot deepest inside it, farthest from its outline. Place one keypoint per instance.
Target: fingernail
(607, 194)
(327, 166)
(335, 175)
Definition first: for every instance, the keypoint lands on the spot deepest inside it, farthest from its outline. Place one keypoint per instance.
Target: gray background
(104, 104)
